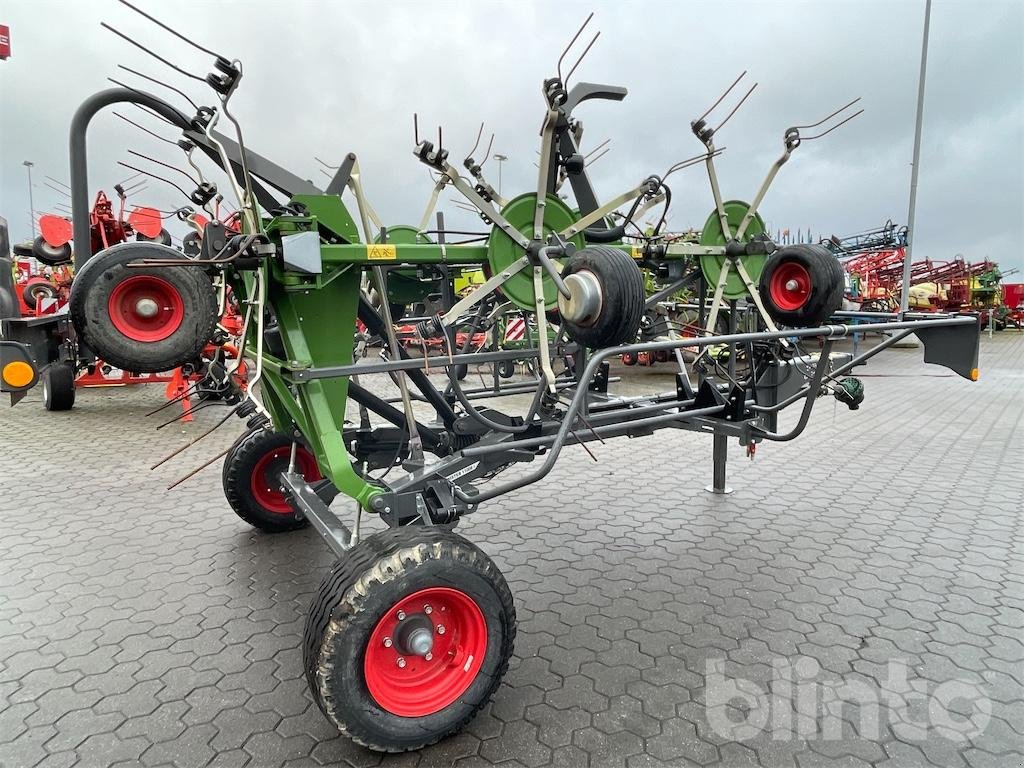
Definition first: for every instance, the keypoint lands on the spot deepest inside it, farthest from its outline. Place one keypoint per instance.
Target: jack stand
(719, 456)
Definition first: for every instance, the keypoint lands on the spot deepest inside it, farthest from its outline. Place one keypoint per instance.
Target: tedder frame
(412, 629)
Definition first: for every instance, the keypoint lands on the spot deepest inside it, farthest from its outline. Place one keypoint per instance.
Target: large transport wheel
(802, 285)
(51, 255)
(58, 382)
(608, 297)
(250, 477)
(408, 637)
(146, 319)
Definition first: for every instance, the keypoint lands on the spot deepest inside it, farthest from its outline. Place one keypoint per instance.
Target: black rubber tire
(22, 250)
(58, 383)
(164, 238)
(825, 295)
(50, 255)
(373, 576)
(506, 369)
(91, 290)
(622, 284)
(32, 292)
(236, 475)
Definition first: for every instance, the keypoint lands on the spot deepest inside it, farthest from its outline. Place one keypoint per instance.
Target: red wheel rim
(146, 308)
(412, 685)
(265, 485)
(790, 285)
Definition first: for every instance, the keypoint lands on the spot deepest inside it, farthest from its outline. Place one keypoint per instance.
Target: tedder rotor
(412, 629)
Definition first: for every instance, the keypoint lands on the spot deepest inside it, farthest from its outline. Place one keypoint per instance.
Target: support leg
(719, 456)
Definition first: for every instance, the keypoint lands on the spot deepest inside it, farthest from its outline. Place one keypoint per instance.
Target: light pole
(912, 214)
(501, 159)
(31, 206)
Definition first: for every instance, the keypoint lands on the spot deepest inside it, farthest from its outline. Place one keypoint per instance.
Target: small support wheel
(608, 296)
(58, 382)
(506, 368)
(250, 479)
(408, 637)
(802, 285)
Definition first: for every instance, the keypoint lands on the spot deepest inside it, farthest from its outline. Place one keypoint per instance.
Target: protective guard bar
(951, 353)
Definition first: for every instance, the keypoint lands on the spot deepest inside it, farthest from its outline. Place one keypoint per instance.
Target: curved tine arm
(558, 67)
(739, 104)
(479, 135)
(837, 125)
(720, 98)
(829, 116)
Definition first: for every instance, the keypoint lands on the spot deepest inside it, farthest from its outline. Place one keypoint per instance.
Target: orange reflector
(974, 374)
(18, 373)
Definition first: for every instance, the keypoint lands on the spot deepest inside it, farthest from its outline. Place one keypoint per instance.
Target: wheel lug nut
(401, 663)
(427, 610)
(429, 656)
(440, 629)
(401, 615)
(387, 642)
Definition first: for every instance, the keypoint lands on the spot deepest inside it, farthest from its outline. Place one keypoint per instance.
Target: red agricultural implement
(45, 294)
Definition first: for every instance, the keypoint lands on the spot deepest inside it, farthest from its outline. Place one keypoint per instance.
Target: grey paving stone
(140, 627)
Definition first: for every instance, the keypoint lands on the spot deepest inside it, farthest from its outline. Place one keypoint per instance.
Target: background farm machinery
(873, 261)
(40, 294)
(412, 630)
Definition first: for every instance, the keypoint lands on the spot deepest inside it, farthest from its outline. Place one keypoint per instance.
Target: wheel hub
(425, 651)
(584, 305)
(146, 307)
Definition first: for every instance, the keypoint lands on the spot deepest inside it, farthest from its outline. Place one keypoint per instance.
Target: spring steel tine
(175, 399)
(479, 135)
(197, 470)
(57, 181)
(603, 143)
(147, 110)
(558, 68)
(160, 82)
(487, 154)
(582, 444)
(186, 412)
(125, 181)
(593, 160)
(325, 164)
(57, 189)
(144, 129)
(156, 56)
(150, 173)
(827, 132)
(692, 161)
(719, 101)
(174, 32)
(828, 117)
(192, 442)
(416, 128)
(740, 104)
(580, 59)
(165, 165)
(135, 186)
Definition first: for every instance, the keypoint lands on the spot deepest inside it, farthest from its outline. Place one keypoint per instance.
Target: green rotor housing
(503, 251)
(711, 234)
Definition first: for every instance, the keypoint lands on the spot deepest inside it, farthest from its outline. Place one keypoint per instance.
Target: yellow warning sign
(638, 252)
(380, 252)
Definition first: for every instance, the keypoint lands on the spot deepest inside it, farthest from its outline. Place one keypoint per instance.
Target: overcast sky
(326, 78)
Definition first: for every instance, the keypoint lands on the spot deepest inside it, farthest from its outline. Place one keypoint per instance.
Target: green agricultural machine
(411, 631)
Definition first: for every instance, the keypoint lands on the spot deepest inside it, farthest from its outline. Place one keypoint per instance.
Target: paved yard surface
(876, 560)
